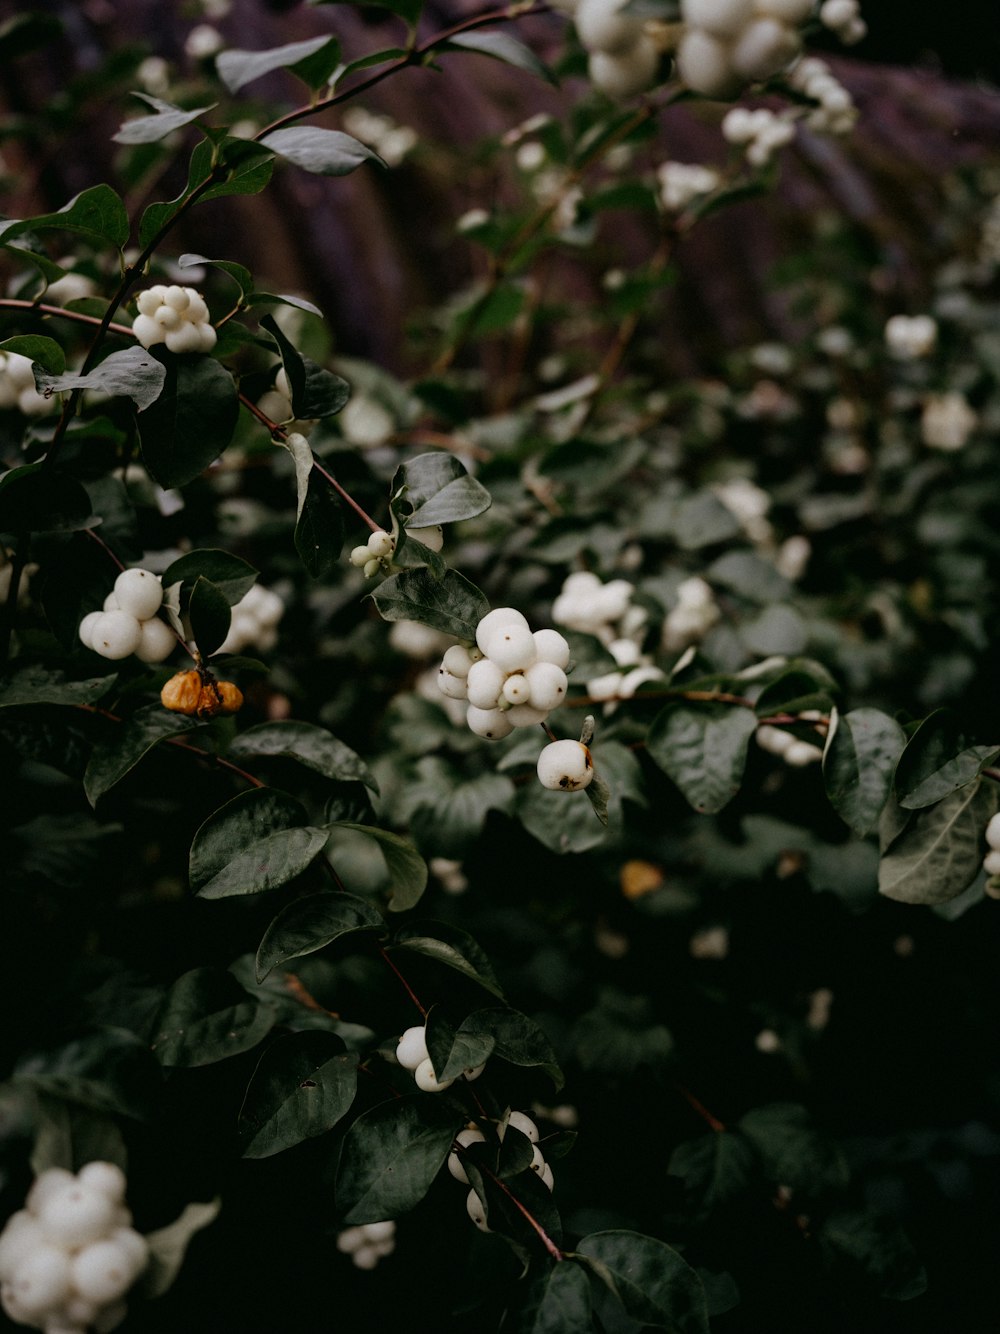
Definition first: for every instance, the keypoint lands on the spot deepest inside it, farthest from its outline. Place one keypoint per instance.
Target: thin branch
(711, 1121)
(406, 986)
(525, 1213)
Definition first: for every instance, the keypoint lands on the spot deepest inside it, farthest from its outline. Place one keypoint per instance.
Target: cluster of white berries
(843, 17)
(473, 1135)
(70, 1255)
(368, 1243)
(947, 421)
(730, 43)
(512, 677)
(254, 622)
(176, 316)
(776, 741)
(128, 622)
(691, 619)
(759, 132)
(636, 669)
(72, 286)
(593, 608)
(624, 57)
(375, 555)
(835, 112)
(991, 862)
(391, 141)
(412, 1054)
(17, 387)
(683, 182)
(910, 337)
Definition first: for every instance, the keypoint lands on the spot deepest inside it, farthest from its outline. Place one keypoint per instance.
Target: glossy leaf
(516, 1039)
(323, 152)
(151, 129)
(311, 746)
(266, 864)
(191, 422)
(302, 1086)
(319, 530)
(439, 490)
(234, 167)
(312, 923)
(937, 760)
(316, 392)
(209, 614)
(237, 68)
(391, 1155)
(98, 213)
(208, 1017)
(36, 684)
(862, 750)
(407, 869)
(450, 953)
(454, 1051)
(452, 604)
(940, 852)
(124, 745)
(653, 1283)
(703, 749)
(231, 575)
(239, 273)
(46, 352)
(501, 46)
(244, 820)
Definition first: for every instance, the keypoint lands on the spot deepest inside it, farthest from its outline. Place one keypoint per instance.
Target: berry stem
(525, 1213)
(180, 744)
(406, 986)
(711, 1121)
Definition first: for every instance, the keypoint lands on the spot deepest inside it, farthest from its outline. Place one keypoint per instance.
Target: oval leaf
(862, 750)
(323, 152)
(311, 746)
(246, 819)
(311, 923)
(407, 869)
(940, 852)
(208, 1017)
(391, 1155)
(452, 603)
(266, 864)
(125, 745)
(210, 615)
(703, 748)
(191, 422)
(652, 1282)
(304, 1083)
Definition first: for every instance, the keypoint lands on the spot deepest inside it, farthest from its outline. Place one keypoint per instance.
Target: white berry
(993, 831)
(86, 630)
(139, 592)
(991, 862)
(107, 1178)
(411, 1049)
(722, 18)
(458, 660)
(492, 724)
(551, 646)
(432, 538)
(452, 686)
(428, 1080)
(102, 1272)
(115, 635)
(511, 647)
(485, 683)
(525, 715)
(565, 766)
(475, 1210)
(499, 616)
(516, 689)
(380, 544)
(471, 1135)
(42, 1280)
(156, 641)
(547, 684)
(22, 1234)
(520, 1121)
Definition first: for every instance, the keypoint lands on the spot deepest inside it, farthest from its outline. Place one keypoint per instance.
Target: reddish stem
(711, 1121)
(406, 986)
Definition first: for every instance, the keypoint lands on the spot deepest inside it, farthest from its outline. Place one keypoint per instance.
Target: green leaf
(304, 1083)
(940, 852)
(516, 1039)
(703, 748)
(313, 747)
(323, 152)
(208, 1017)
(862, 750)
(875, 1251)
(312, 923)
(231, 575)
(133, 373)
(98, 213)
(319, 530)
(210, 615)
(793, 1153)
(283, 299)
(715, 1169)
(239, 273)
(450, 946)
(237, 68)
(501, 46)
(391, 1155)
(36, 499)
(938, 760)
(266, 864)
(302, 456)
(450, 809)
(453, 1052)
(802, 685)
(125, 745)
(168, 1246)
(244, 820)
(45, 351)
(151, 129)
(242, 168)
(40, 685)
(439, 490)
(316, 392)
(407, 869)
(191, 422)
(557, 1301)
(652, 1282)
(452, 604)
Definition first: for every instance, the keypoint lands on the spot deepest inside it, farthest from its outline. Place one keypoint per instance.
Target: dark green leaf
(267, 864)
(391, 1155)
(319, 531)
(40, 685)
(862, 751)
(793, 1153)
(652, 1282)
(715, 1169)
(45, 351)
(151, 129)
(312, 923)
(210, 615)
(314, 747)
(133, 373)
(450, 954)
(231, 575)
(452, 1052)
(323, 152)
(244, 820)
(207, 1017)
(501, 46)
(98, 213)
(557, 1301)
(407, 869)
(37, 499)
(125, 744)
(191, 422)
(237, 68)
(874, 1253)
(316, 392)
(940, 852)
(801, 685)
(439, 490)
(516, 1038)
(239, 273)
(451, 604)
(703, 748)
(304, 1083)
(937, 760)
(241, 168)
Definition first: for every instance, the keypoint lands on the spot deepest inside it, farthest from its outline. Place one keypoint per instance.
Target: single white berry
(22, 1234)
(551, 646)
(511, 647)
(497, 617)
(991, 862)
(624, 74)
(349, 1240)
(46, 1185)
(452, 686)
(133, 1246)
(86, 630)
(75, 1215)
(537, 1163)
(380, 544)
(801, 753)
(360, 556)
(428, 1080)
(379, 1232)
(150, 300)
(547, 685)
(156, 640)
(139, 592)
(993, 831)
(472, 1072)
(704, 65)
(372, 567)
(722, 18)
(484, 682)
(42, 1280)
(177, 297)
(764, 47)
(147, 331)
(491, 724)
(546, 1177)
(207, 337)
(111, 602)
(470, 1135)
(185, 338)
(102, 1272)
(167, 317)
(516, 689)
(565, 766)
(520, 1121)
(603, 27)
(457, 660)
(525, 715)
(107, 1178)
(115, 635)
(475, 1210)
(411, 1049)
(365, 1257)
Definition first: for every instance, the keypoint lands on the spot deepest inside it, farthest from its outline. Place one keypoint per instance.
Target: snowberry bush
(539, 781)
